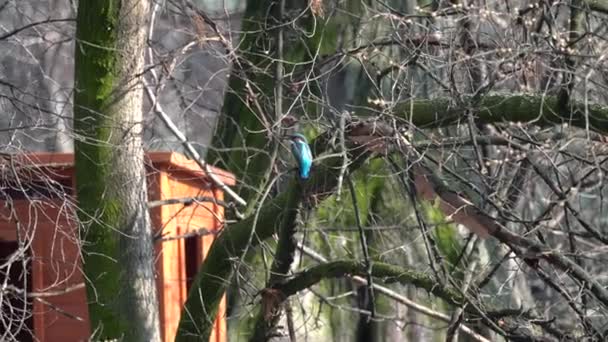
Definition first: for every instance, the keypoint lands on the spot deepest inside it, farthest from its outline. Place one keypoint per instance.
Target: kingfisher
(302, 154)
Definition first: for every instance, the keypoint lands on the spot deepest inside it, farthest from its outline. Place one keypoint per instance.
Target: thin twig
(188, 201)
(343, 151)
(363, 240)
(30, 25)
(190, 150)
(60, 310)
(198, 232)
(71, 288)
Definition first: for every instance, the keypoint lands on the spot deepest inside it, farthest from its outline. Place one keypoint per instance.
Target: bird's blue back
(301, 151)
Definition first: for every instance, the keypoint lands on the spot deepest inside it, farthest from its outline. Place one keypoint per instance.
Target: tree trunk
(243, 142)
(229, 247)
(118, 250)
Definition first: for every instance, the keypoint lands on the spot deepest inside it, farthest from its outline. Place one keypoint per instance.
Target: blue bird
(302, 154)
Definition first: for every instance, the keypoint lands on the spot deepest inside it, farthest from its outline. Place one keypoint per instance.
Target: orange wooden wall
(56, 264)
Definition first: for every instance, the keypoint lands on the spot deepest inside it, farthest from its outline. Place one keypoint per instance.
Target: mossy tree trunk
(540, 109)
(118, 251)
(243, 136)
(227, 250)
(247, 135)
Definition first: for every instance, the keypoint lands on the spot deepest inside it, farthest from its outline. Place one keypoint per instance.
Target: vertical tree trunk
(118, 250)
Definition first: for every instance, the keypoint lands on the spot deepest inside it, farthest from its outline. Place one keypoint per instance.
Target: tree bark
(243, 141)
(519, 329)
(539, 109)
(227, 250)
(283, 259)
(117, 247)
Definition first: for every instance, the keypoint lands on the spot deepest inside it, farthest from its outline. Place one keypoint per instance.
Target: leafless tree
(458, 184)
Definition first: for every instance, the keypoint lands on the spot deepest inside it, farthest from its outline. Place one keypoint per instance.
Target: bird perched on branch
(302, 154)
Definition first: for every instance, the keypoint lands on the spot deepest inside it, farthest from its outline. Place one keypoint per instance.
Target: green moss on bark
(388, 273)
(538, 109)
(243, 141)
(95, 76)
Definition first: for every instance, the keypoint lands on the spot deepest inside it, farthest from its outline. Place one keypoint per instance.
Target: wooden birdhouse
(45, 290)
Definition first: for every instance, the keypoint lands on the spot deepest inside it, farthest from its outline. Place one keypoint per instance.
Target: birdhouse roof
(166, 161)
